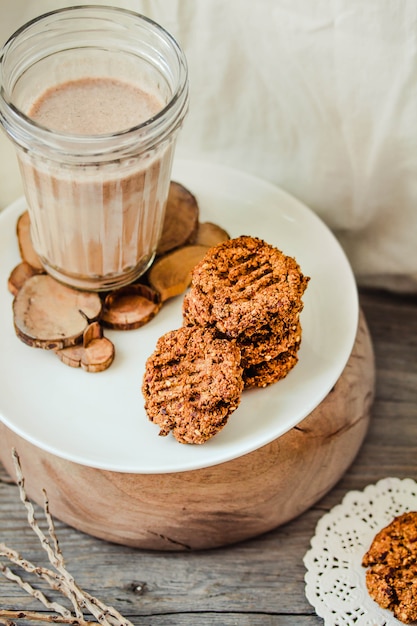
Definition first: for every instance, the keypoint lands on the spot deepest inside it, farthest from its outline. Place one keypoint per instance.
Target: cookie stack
(241, 329)
(250, 293)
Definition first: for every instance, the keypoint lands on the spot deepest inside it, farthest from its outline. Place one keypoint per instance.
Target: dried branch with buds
(58, 578)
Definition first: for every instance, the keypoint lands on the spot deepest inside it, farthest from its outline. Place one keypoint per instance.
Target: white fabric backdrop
(318, 97)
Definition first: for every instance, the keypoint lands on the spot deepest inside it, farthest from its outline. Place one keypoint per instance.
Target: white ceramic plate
(99, 419)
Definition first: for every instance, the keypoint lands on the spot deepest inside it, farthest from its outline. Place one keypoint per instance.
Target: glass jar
(96, 198)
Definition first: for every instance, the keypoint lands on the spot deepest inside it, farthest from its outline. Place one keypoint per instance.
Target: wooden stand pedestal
(218, 505)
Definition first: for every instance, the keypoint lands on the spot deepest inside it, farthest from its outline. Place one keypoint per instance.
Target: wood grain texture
(214, 506)
(259, 581)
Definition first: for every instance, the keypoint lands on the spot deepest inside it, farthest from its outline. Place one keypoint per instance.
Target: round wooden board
(219, 505)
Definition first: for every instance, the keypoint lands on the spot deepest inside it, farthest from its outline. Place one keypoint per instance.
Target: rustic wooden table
(260, 581)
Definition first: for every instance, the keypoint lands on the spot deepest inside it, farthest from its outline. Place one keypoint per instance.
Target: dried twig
(34, 616)
(36, 593)
(58, 579)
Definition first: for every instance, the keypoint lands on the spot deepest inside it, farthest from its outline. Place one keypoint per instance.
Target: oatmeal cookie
(243, 284)
(391, 579)
(264, 346)
(192, 383)
(268, 372)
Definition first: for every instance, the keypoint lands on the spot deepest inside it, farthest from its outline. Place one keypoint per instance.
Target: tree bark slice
(95, 354)
(130, 307)
(26, 249)
(181, 219)
(50, 315)
(171, 274)
(210, 235)
(19, 275)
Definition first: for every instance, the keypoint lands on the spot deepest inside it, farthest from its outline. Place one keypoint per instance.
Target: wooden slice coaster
(52, 316)
(130, 307)
(181, 219)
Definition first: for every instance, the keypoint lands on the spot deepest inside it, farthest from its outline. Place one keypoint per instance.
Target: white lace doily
(335, 578)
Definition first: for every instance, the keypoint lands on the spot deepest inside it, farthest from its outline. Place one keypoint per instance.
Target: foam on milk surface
(94, 106)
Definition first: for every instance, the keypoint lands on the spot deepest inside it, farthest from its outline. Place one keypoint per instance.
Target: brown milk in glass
(93, 98)
(101, 220)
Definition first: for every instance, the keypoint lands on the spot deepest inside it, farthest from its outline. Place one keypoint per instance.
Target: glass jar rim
(12, 116)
